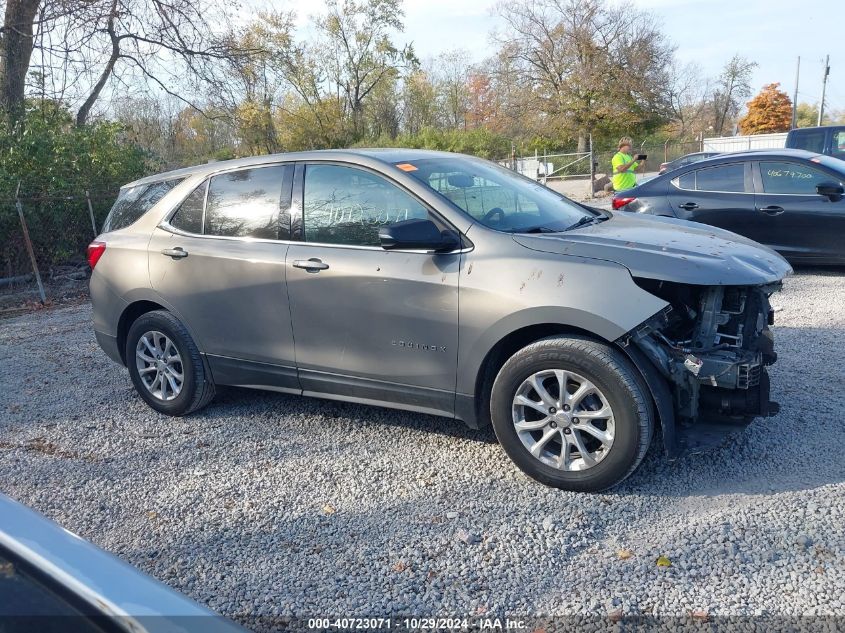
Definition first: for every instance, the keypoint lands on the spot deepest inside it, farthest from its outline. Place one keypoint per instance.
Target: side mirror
(831, 190)
(417, 235)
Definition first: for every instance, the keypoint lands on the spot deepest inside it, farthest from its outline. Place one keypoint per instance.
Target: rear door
(369, 324)
(219, 261)
(721, 195)
(799, 223)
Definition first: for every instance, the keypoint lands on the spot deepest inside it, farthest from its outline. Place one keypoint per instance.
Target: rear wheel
(572, 413)
(165, 365)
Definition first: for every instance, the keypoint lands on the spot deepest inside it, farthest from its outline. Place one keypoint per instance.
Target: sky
(771, 32)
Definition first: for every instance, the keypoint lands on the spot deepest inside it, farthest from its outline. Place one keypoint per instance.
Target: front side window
(245, 203)
(730, 178)
(794, 178)
(495, 196)
(837, 144)
(133, 202)
(345, 205)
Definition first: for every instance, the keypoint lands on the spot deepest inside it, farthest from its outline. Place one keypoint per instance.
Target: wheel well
(506, 348)
(129, 316)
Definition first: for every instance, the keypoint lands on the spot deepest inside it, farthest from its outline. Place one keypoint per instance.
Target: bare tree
(451, 73)
(687, 94)
(589, 64)
(732, 88)
(359, 50)
(166, 43)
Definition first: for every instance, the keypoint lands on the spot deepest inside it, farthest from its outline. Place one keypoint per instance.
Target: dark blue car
(790, 200)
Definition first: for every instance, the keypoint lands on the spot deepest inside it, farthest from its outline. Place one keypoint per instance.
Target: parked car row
(789, 200)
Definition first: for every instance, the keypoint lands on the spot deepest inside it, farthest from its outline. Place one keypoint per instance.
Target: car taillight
(618, 203)
(95, 252)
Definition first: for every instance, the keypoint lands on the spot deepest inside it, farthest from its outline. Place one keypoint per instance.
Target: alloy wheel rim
(159, 365)
(563, 420)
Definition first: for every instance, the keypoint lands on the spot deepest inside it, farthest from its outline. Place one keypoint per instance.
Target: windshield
(498, 197)
(836, 164)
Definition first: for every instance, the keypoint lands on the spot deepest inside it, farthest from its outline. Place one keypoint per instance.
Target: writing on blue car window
(791, 178)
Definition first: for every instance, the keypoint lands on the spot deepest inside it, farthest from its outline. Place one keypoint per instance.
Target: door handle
(688, 206)
(772, 210)
(312, 265)
(175, 253)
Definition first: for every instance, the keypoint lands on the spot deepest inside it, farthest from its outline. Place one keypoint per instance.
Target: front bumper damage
(712, 346)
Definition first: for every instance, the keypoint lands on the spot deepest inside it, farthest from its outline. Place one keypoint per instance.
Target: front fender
(501, 295)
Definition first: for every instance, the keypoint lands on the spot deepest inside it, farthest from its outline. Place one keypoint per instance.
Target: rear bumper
(109, 345)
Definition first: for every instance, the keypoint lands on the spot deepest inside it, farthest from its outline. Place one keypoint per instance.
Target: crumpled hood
(668, 249)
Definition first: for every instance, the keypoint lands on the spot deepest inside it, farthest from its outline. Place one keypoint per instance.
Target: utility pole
(795, 96)
(824, 85)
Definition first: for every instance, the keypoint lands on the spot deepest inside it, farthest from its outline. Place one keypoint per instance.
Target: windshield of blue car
(498, 197)
(836, 164)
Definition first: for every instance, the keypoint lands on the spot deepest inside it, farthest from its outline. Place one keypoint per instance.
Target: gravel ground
(266, 504)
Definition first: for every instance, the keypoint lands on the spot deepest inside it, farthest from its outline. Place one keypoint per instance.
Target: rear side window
(810, 141)
(188, 216)
(133, 202)
(245, 203)
(730, 178)
(794, 178)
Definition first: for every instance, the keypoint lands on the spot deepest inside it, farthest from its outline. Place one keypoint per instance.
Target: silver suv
(443, 284)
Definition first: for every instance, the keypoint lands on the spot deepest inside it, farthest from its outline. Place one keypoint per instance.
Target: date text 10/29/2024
(417, 624)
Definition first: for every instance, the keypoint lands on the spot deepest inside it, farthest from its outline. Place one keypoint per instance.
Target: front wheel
(165, 365)
(572, 413)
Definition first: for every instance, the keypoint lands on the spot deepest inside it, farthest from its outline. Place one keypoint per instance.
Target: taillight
(95, 252)
(618, 203)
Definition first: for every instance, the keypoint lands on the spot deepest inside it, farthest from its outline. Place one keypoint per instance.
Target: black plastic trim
(237, 372)
(377, 392)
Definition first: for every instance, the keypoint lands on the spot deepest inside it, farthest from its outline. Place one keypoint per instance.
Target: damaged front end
(712, 344)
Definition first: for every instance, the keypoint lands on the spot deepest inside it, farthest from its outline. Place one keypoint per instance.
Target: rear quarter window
(810, 141)
(133, 202)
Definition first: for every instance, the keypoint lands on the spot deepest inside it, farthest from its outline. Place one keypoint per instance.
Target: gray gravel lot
(270, 504)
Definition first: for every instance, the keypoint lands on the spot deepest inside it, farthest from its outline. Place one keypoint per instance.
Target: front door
(220, 263)
(799, 223)
(370, 325)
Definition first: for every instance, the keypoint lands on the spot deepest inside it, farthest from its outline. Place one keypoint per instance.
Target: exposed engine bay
(712, 344)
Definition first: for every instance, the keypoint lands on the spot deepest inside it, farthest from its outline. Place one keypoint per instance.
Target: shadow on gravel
(233, 397)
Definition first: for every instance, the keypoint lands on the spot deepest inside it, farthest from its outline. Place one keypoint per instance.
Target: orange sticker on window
(406, 167)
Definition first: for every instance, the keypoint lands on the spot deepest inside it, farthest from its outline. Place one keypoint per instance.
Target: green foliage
(55, 163)
(48, 154)
(477, 141)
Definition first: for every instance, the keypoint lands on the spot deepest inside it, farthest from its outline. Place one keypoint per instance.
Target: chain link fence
(590, 171)
(43, 238)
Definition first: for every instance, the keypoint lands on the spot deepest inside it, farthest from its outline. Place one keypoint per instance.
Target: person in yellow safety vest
(624, 166)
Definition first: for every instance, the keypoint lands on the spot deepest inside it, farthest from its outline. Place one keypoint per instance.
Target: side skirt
(235, 372)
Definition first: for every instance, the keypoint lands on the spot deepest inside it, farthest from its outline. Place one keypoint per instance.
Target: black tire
(197, 388)
(620, 383)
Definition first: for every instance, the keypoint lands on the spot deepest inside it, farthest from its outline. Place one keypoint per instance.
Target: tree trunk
(15, 52)
(582, 141)
(85, 110)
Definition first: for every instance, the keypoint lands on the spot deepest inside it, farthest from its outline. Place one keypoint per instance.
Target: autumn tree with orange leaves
(769, 111)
